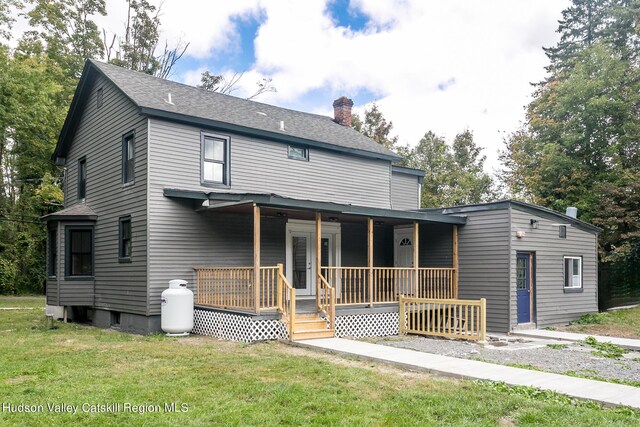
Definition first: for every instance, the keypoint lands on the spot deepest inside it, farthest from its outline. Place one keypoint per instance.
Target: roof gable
(200, 107)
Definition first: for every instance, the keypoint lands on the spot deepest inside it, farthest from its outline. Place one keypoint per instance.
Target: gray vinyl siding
(404, 191)
(354, 245)
(52, 281)
(483, 259)
(98, 137)
(182, 239)
(436, 245)
(260, 166)
(552, 304)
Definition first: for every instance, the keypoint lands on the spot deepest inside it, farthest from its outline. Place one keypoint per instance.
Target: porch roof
(272, 200)
(77, 212)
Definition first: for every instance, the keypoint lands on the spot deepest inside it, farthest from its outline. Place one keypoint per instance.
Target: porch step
(309, 326)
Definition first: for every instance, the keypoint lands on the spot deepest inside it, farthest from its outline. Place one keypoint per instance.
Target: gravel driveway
(545, 355)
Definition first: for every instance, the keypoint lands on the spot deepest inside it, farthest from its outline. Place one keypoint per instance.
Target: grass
(226, 383)
(618, 323)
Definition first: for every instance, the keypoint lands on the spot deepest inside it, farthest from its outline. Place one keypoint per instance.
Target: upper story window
(215, 159)
(79, 244)
(82, 178)
(297, 153)
(128, 157)
(99, 97)
(125, 239)
(572, 272)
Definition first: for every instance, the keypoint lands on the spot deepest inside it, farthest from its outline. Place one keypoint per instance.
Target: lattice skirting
(368, 325)
(236, 327)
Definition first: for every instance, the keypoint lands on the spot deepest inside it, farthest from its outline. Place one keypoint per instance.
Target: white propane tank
(176, 315)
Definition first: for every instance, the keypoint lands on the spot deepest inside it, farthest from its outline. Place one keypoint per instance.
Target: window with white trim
(572, 272)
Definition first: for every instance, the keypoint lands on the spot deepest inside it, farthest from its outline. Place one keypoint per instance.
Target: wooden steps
(309, 326)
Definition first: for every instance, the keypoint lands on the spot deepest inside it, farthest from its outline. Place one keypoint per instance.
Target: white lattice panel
(236, 327)
(368, 325)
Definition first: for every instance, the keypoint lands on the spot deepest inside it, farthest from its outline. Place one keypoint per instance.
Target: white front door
(403, 248)
(300, 277)
(301, 253)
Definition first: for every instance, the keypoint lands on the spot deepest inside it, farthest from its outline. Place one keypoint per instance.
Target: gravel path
(570, 357)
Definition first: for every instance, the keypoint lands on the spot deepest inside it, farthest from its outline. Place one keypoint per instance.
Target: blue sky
(443, 66)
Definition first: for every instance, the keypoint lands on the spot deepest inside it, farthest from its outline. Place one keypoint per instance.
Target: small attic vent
(261, 113)
(168, 100)
(282, 125)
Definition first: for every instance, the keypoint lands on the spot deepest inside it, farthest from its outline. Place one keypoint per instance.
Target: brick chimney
(342, 111)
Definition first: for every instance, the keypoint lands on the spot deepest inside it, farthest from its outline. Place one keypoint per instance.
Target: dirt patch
(620, 331)
(19, 379)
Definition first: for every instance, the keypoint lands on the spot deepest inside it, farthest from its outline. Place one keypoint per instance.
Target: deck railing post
(256, 257)
(483, 319)
(416, 258)
(401, 313)
(279, 289)
(455, 262)
(292, 315)
(370, 258)
(318, 256)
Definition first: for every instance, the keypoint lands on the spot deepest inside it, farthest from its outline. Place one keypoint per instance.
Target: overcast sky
(430, 65)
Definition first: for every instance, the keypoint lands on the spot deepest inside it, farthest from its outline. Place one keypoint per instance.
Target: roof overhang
(525, 207)
(288, 203)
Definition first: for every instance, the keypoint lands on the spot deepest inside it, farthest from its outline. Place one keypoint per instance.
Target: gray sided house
(266, 212)
(535, 266)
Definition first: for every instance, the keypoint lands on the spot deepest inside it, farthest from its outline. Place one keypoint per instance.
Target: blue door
(523, 287)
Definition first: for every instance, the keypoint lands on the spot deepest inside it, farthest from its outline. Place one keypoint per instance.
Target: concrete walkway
(628, 343)
(606, 393)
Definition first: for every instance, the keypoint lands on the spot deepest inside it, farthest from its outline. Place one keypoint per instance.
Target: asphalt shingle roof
(150, 92)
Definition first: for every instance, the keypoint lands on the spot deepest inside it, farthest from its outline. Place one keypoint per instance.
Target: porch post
(318, 256)
(416, 259)
(370, 257)
(455, 262)
(256, 256)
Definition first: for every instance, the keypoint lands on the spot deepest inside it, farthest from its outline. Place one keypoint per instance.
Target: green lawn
(226, 383)
(620, 323)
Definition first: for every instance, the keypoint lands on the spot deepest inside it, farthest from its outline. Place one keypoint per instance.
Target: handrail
(286, 300)
(327, 300)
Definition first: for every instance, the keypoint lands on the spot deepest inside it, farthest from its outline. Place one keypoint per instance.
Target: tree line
(578, 146)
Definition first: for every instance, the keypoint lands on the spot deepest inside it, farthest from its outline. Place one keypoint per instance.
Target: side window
(128, 158)
(79, 244)
(562, 233)
(52, 264)
(125, 239)
(82, 178)
(573, 272)
(297, 153)
(215, 159)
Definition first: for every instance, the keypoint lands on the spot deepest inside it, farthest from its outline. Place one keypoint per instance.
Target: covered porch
(324, 258)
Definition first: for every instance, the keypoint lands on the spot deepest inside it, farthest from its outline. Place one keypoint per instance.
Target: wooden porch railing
(352, 283)
(233, 287)
(286, 300)
(452, 318)
(327, 300)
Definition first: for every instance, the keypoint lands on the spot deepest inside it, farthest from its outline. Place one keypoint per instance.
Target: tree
(137, 49)
(375, 126)
(219, 83)
(30, 118)
(454, 174)
(66, 31)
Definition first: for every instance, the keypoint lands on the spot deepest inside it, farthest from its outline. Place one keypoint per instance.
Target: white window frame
(574, 276)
